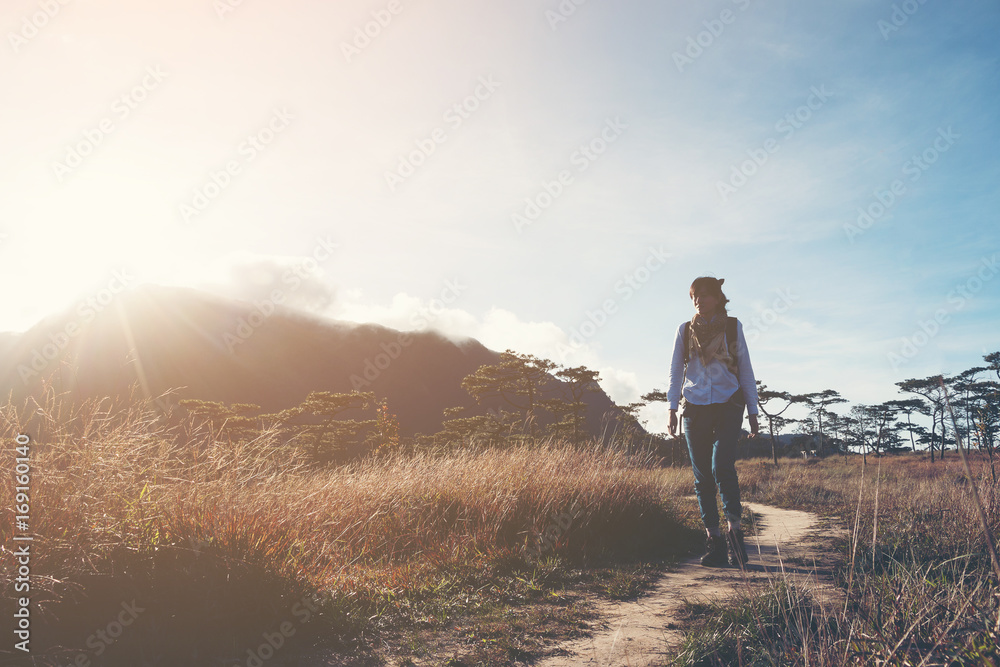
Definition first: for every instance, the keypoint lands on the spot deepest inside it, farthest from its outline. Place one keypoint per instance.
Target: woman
(710, 368)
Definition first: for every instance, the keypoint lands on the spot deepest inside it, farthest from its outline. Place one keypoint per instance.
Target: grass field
(221, 543)
(169, 547)
(916, 571)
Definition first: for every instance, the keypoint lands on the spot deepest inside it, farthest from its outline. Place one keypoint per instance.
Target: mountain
(217, 349)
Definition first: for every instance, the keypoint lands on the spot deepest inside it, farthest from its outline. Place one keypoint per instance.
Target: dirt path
(641, 632)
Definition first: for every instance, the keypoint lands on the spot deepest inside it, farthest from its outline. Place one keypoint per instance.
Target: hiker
(710, 370)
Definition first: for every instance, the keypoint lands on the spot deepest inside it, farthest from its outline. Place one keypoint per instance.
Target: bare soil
(644, 632)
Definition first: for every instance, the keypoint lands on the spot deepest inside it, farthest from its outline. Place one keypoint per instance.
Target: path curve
(641, 632)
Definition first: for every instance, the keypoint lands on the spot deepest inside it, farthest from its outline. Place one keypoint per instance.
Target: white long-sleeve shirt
(714, 384)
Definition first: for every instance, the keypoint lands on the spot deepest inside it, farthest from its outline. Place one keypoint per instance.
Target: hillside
(217, 349)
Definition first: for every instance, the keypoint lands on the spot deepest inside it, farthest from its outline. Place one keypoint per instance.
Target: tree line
(963, 406)
(528, 398)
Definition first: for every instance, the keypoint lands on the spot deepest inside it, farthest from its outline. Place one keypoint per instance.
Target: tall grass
(916, 570)
(217, 540)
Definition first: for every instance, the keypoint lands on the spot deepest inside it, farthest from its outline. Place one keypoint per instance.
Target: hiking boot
(737, 549)
(716, 556)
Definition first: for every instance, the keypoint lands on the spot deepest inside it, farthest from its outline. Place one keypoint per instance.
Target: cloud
(295, 282)
(408, 313)
(498, 329)
(622, 386)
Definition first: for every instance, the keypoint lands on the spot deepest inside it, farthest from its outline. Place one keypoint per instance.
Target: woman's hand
(672, 426)
(754, 426)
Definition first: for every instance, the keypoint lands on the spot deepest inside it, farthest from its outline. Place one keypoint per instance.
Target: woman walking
(710, 370)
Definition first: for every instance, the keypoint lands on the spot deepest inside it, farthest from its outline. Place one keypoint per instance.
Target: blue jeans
(712, 432)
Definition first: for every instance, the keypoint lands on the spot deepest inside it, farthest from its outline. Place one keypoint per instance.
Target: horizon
(256, 314)
(553, 175)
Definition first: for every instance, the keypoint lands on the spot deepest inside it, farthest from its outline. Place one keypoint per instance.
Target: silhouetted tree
(239, 422)
(774, 420)
(493, 428)
(884, 418)
(384, 436)
(986, 419)
(624, 425)
(931, 391)
(818, 403)
(571, 414)
(859, 429)
(908, 406)
(317, 426)
(518, 380)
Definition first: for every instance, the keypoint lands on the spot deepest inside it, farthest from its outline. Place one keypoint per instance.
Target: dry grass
(919, 585)
(218, 540)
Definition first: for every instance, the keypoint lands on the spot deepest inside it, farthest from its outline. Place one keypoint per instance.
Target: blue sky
(734, 138)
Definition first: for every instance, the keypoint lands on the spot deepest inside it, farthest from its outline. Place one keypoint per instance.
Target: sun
(94, 236)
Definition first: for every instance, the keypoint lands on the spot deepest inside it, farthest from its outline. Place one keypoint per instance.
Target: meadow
(915, 569)
(170, 545)
(222, 544)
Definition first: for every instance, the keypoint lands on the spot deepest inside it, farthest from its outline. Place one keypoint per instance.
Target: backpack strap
(731, 338)
(687, 338)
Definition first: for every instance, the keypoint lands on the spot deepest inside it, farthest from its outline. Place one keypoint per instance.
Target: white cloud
(501, 329)
(498, 329)
(622, 386)
(295, 282)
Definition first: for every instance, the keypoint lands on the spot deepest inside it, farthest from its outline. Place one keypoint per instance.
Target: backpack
(731, 339)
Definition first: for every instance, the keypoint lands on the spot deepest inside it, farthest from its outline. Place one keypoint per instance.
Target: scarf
(708, 341)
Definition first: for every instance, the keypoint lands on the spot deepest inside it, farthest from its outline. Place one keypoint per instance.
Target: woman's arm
(676, 377)
(748, 383)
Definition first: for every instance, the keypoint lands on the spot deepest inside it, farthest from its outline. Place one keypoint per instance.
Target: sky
(545, 176)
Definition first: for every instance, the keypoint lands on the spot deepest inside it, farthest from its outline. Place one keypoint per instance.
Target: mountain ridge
(204, 346)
